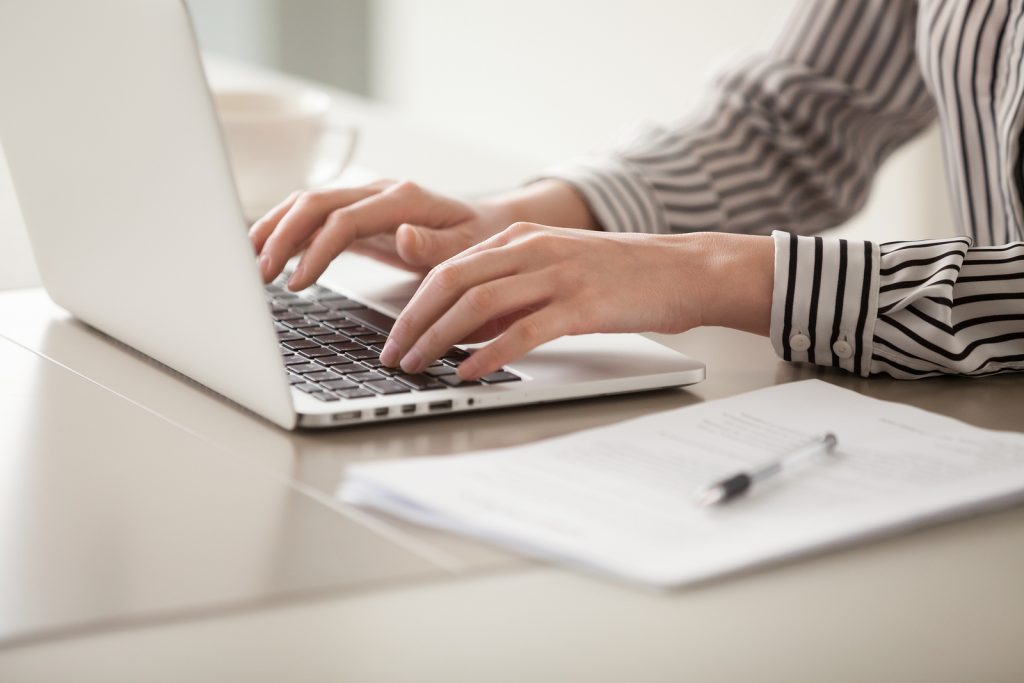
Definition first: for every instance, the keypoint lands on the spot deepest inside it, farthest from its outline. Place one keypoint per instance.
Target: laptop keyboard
(331, 347)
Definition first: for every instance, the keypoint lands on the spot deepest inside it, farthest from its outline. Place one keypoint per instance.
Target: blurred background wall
(535, 79)
(542, 80)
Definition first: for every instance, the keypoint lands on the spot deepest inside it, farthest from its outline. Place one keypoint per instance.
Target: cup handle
(333, 133)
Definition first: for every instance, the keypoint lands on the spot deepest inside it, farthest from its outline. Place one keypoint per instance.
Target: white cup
(280, 141)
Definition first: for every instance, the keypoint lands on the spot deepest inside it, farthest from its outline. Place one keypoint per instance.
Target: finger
(475, 308)
(261, 229)
(365, 218)
(442, 287)
(528, 333)
(492, 328)
(424, 247)
(507, 236)
(305, 215)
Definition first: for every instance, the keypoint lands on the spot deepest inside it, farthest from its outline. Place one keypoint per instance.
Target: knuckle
(529, 331)
(480, 299)
(488, 356)
(406, 188)
(551, 241)
(309, 199)
(520, 229)
(445, 275)
(339, 219)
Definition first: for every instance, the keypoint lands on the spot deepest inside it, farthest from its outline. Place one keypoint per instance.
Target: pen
(738, 484)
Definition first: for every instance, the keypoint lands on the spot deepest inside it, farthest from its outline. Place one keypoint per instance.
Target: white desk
(212, 537)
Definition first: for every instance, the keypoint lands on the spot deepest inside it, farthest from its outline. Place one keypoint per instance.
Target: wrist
(546, 202)
(738, 277)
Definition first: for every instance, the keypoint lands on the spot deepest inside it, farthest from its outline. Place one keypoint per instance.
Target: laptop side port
(381, 412)
(441, 405)
(409, 409)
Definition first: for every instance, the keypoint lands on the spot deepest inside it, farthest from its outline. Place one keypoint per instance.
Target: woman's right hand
(396, 222)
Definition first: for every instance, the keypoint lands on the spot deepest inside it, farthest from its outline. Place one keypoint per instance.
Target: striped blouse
(791, 140)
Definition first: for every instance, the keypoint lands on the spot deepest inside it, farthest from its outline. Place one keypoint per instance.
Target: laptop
(121, 174)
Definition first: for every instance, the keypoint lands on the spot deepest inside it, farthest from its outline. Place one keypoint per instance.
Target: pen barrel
(735, 485)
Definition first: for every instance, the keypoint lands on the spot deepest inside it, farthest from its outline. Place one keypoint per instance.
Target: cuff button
(843, 349)
(799, 342)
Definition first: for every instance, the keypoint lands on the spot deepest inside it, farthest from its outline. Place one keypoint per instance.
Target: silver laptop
(120, 170)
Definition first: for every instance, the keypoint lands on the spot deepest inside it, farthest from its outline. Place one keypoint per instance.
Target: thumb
(424, 247)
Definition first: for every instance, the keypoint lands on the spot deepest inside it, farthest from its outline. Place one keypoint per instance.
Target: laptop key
(455, 354)
(361, 354)
(339, 384)
(348, 369)
(300, 344)
(319, 331)
(333, 338)
(456, 381)
(348, 346)
(296, 360)
(371, 318)
(419, 382)
(341, 304)
(316, 353)
(327, 317)
(307, 387)
(500, 376)
(322, 376)
(324, 396)
(440, 370)
(387, 386)
(307, 307)
(355, 393)
(295, 379)
(366, 376)
(341, 365)
(373, 339)
(306, 368)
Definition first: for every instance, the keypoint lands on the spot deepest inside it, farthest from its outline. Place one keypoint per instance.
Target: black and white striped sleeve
(789, 140)
(906, 309)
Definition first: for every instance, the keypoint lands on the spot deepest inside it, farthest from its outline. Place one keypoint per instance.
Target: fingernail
(388, 353)
(295, 279)
(467, 371)
(414, 235)
(265, 266)
(412, 361)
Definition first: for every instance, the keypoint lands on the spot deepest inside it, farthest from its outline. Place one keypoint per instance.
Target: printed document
(619, 499)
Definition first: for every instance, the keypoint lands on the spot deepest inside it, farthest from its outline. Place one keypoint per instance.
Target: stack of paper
(619, 499)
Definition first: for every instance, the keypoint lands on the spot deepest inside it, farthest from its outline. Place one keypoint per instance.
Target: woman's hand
(530, 284)
(399, 223)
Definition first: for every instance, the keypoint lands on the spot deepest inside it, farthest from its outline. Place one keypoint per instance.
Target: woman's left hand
(530, 284)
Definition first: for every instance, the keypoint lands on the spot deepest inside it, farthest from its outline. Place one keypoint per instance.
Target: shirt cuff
(825, 301)
(618, 196)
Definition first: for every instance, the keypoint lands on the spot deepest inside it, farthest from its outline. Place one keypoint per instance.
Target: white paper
(619, 499)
